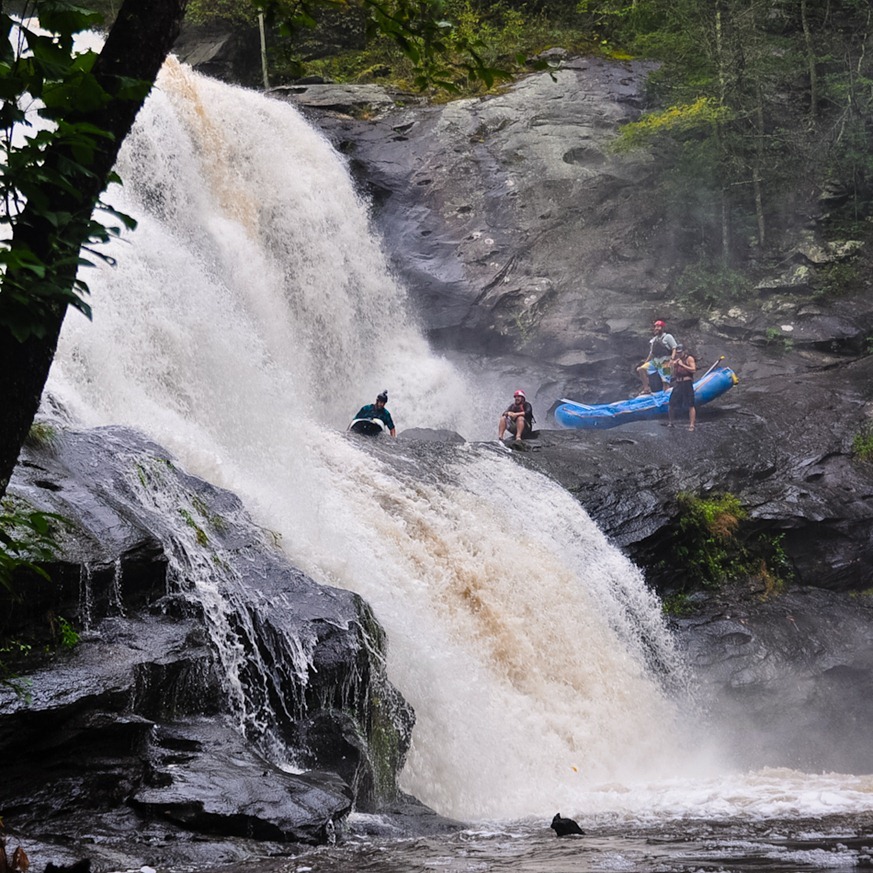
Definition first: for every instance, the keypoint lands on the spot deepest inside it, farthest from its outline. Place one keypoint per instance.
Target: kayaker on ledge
(378, 410)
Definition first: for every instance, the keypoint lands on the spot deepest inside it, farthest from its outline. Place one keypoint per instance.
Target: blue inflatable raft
(712, 384)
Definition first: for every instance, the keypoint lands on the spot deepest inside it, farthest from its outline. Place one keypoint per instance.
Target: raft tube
(604, 415)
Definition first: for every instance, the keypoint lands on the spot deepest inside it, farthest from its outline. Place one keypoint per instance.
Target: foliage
(677, 604)
(677, 120)
(441, 47)
(27, 536)
(710, 548)
(867, 592)
(235, 11)
(13, 650)
(862, 444)
(44, 85)
(705, 546)
(416, 39)
(836, 279)
(41, 433)
(776, 337)
(69, 635)
(199, 534)
(702, 285)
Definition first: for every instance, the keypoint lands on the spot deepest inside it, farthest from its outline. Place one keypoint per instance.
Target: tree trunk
(722, 63)
(758, 169)
(810, 61)
(136, 47)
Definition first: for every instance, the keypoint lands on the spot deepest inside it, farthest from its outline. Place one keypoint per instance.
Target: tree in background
(766, 104)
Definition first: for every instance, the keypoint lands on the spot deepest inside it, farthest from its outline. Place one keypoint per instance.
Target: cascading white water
(249, 316)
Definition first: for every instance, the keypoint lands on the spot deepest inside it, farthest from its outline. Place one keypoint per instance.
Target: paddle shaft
(715, 364)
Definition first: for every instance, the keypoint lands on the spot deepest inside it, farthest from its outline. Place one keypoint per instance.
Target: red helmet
(659, 323)
(519, 393)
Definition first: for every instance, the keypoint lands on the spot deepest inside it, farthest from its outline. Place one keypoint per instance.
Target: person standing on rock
(518, 419)
(682, 395)
(653, 372)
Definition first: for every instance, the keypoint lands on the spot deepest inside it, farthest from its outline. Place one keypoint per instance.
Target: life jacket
(660, 349)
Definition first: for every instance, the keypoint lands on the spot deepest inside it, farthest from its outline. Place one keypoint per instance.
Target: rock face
(532, 248)
(523, 237)
(788, 682)
(209, 671)
(230, 52)
(508, 215)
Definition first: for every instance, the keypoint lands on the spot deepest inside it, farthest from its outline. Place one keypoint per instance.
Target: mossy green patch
(713, 545)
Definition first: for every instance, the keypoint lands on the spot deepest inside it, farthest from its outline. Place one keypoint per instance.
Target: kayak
(367, 426)
(570, 414)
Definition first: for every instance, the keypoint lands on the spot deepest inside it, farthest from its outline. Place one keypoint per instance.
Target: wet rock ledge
(162, 737)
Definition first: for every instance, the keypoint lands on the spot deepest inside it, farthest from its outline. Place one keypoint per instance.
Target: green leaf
(65, 18)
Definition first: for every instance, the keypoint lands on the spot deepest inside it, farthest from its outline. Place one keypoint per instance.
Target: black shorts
(682, 396)
(511, 425)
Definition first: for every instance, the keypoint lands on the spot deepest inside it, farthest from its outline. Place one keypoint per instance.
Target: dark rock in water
(206, 778)
(407, 816)
(564, 827)
(83, 866)
(432, 435)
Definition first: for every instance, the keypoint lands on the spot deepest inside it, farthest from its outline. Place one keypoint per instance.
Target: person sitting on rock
(518, 419)
(378, 410)
(654, 371)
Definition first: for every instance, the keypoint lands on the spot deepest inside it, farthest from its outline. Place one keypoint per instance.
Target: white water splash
(250, 315)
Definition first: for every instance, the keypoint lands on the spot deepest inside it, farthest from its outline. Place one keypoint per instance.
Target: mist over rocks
(787, 681)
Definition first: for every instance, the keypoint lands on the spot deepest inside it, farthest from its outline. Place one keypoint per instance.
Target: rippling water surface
(837, 843)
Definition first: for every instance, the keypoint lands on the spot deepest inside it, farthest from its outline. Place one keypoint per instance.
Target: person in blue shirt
(378, 410)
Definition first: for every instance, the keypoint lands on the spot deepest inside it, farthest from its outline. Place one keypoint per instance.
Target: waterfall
(248, 317)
